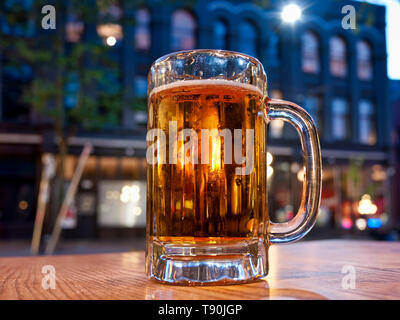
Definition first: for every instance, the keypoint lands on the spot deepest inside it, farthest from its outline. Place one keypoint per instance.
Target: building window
(140, 86)
(74, 31)
(248, 38)
(312, 104)
(73, 26)
(367, 122)
(273, 52)
(183, 30)
(338, 53)
(364, 60)
(276, 94)
(16, 19)
(310, 62)
(142, 32)
(110, 10)
(220, 35)
(340, 119)
(276, 126)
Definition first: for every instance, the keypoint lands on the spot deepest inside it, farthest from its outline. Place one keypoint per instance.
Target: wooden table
(304, 270)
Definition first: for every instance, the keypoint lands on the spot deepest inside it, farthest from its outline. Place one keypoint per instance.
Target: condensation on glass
(207, 222)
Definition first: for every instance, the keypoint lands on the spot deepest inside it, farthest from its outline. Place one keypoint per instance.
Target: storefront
(355, 196)
(111, 199)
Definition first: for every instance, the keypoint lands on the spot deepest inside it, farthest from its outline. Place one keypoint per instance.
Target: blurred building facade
(339, 76)
(394, 98)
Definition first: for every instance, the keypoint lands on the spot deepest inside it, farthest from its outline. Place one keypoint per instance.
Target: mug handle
(306, 216)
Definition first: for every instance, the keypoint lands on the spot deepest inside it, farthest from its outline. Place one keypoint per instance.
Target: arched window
(367, 122)
(220, 35)
(142, 31)
(183, 30)
(364, 60)
(310, 62)
(248, 38)
(338, 56)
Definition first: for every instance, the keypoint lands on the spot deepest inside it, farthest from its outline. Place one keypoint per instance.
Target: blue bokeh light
(374, 223)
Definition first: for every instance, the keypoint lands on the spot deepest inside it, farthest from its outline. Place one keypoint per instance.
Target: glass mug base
(206, 261)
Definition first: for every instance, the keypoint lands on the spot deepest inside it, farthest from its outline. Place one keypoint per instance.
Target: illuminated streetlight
(111, 41)
(291, 13)
(110, 33)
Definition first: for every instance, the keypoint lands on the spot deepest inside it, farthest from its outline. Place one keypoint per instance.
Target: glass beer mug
(207, 214)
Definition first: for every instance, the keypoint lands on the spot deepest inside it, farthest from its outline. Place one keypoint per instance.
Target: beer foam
(205, 82)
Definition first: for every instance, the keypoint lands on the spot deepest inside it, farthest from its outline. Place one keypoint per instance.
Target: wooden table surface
(303, 270)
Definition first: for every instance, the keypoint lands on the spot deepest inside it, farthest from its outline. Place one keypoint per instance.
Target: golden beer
(207, 201)
(207, 216)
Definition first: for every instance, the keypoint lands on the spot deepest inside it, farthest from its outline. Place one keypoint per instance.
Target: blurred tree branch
(87, 64)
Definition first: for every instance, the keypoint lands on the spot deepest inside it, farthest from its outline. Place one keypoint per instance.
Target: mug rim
(225, 53)
(251, 62)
